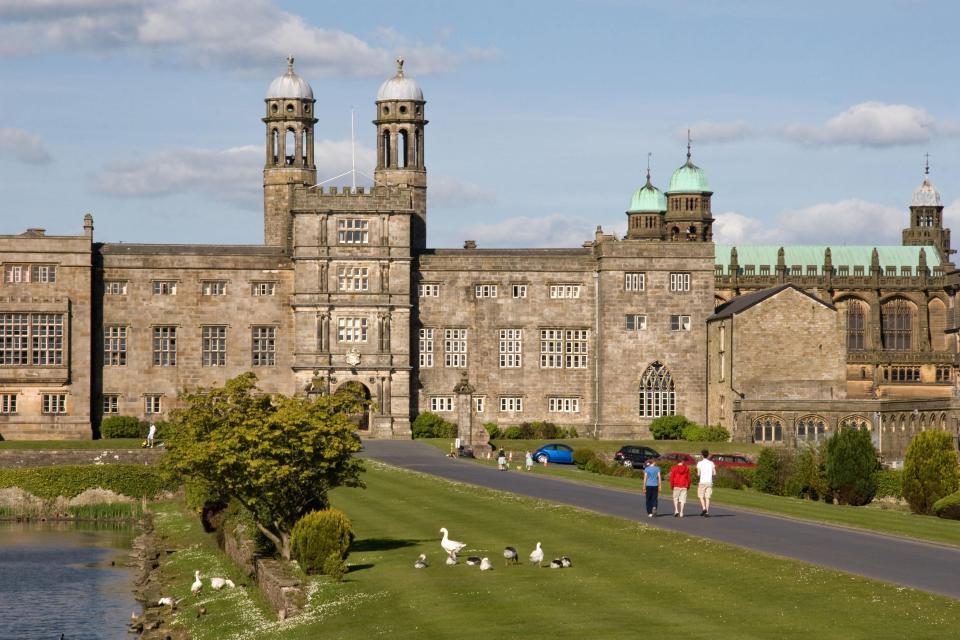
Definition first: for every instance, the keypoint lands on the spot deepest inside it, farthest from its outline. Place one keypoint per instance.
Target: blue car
(554, 454)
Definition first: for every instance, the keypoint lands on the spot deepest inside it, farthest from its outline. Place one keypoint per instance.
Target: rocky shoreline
(147, 557)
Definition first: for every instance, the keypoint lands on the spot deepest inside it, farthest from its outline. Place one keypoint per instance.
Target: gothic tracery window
(896, 324)
(855, 326)
(811, 429)
(768, 429)
(658, 396)
(855, 422)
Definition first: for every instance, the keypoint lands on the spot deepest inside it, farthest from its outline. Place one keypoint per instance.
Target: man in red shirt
(680, 481)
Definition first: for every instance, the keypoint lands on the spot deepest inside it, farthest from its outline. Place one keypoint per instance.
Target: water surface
(56, 578)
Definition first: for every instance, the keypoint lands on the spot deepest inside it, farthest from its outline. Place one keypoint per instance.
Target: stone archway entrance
(362, 420)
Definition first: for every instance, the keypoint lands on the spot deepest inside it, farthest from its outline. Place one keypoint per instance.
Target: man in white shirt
(705, 472)
(151, 435)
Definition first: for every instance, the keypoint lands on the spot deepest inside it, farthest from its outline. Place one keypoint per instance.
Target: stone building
(604, 337)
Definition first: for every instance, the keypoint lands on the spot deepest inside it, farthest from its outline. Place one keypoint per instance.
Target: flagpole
(353, 155)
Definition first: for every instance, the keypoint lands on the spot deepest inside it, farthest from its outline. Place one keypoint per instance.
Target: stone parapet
(24, 458)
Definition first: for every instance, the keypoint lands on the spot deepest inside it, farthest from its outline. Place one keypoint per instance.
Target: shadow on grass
(382, 544)
(359, 567)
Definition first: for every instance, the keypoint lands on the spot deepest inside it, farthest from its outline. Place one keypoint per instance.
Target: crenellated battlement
(379, 198)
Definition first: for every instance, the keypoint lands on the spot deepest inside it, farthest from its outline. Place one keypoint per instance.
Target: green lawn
(872, 518)
(111, 443)
(626, 577)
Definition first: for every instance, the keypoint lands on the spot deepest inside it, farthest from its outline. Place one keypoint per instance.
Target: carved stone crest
(353, 357)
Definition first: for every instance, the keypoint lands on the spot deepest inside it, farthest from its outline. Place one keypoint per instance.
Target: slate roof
(744, 302)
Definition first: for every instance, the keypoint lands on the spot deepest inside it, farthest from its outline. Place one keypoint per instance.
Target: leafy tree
(773, 469)
(850, 466)
(929, 470)
(669, 427)
(277, 456)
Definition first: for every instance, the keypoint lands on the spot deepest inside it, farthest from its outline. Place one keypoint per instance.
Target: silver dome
(289, 85)
(926, 195)
(400, 88)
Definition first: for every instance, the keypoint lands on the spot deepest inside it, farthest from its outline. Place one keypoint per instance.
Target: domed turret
(289, 85)
(645, 215)
(926, 218)
(688, 204)
(926, 194)
(400, 87)
(648, 199)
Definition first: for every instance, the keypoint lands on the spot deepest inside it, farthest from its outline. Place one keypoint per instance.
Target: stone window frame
(634, 281)
(944, 373)
(897, 316)
(428, 290)
(353, 231)
(111, 404)
(564, 348)
(510, 348)
(635, 322)
(426, 343)
(814, 425)
(30, 273)
(658, 393)
(53, 404)
(263, 345)
(679, 281)
(442, 404)
(511, 404)
(213, 345)
(32, 339)
(164, 287)
(164, 345)
(353, 278)
(768, 428)
(213, 288)
(353, 329)
(109, 288)
(8, 404)
(263, 288)
(563, 404)
(565, 291)
(680, 323)
(152, 404)
(43, 273)
(855, 324)
(479, 403)
(115, 338)
(485, 290)
(455, 347)
(519, 290)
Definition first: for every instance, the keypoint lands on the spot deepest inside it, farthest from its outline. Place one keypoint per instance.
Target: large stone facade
(603, 337)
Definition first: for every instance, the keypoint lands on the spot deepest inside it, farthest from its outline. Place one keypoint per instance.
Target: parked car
(732, 460)
(634, 456)
(554, 454)
(680, 458)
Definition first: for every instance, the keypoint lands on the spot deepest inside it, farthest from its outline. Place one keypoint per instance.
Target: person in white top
(151, 435)
(705, 471)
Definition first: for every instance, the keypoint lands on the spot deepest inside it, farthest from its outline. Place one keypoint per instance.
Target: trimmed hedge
(929, 470)
(321, 541)
(582, 456)
(493, 431)
(948, 507)
(121, 427)
(133, 480)
(669, 427)
(890, 483)
(699, 433)
(430, 425)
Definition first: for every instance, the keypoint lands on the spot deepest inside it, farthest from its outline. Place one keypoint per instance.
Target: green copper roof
(648, 199)
(688, 179)
(804, 255)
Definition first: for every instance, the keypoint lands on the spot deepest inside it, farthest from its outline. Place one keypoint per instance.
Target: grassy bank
(874, 517)
(626, 576)
(111, 443)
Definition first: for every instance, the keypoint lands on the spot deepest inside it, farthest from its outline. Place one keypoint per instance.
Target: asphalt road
(927, 566)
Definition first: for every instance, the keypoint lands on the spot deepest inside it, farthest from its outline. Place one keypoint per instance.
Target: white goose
(452, 547)
(566, 562)
(197, 583)
(218, 583)
(421, 562)
(486, 565)
(451, 559)
(536, 556)
(509, 553)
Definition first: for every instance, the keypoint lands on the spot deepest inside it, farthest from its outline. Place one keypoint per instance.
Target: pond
(57, 578)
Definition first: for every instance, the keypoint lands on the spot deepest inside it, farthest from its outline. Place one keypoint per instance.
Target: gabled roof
(744, 302)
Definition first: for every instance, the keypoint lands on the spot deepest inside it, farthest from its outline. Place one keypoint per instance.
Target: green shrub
(669, 427)
(948, 506)
(321, 541)
(889, 483)
(699, 433)
(430, 425)
(493, 431)
(929, 470)
(545, 430)
(806, 478)
(199, 493)
(595, 465)
(774, 466)
(121, 427)
(624, 472)
(512, 433)
(729, 478)
(570, 433)
(851, 462)
(133, 480)
(582, 456)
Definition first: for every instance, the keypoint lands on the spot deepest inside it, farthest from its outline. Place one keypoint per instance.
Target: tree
(275, 455)
(669, 427)
(851, 463)
(929, 470)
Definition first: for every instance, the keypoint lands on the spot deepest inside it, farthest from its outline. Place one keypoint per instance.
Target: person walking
(679, 482)
(502, 460)
(528, 461)
(651, 486)
(705, 472)
(151, 435)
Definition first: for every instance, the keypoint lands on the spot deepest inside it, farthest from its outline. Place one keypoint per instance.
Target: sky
(811, 120)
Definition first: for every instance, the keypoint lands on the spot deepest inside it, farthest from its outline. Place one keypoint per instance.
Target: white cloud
(232, 34)
(851, 221)
(445, 191)
(232, 175)
(24, 146)
(554, 230)
(872, 124)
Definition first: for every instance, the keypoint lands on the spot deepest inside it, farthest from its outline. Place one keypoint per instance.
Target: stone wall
(23, 458)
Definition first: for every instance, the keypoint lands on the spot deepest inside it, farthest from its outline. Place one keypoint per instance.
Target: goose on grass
(566, 562)
(510, 554)
(421, 562)
(556, 564)
(452, 547)
(536, 556)
(485, 564)
(473, 561)
(451, 559)
(197, 583)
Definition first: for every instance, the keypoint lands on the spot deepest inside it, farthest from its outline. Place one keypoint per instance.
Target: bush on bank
(135, 481)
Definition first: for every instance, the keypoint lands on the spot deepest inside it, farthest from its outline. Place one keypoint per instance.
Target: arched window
(811, 429)
(855, 422)
(386, 148)
(896, 324)
(415, 149)
(290, 146)
(402, 148)
(275, 144)
(657, 394)
(855, 325)
(768, 429)
(303, 147)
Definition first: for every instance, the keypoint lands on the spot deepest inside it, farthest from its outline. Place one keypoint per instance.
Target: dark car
(554, 453)
(634, 456)
(732, 460)
(679, 458)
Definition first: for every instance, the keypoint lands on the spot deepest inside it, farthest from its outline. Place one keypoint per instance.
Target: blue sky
(811, 119)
